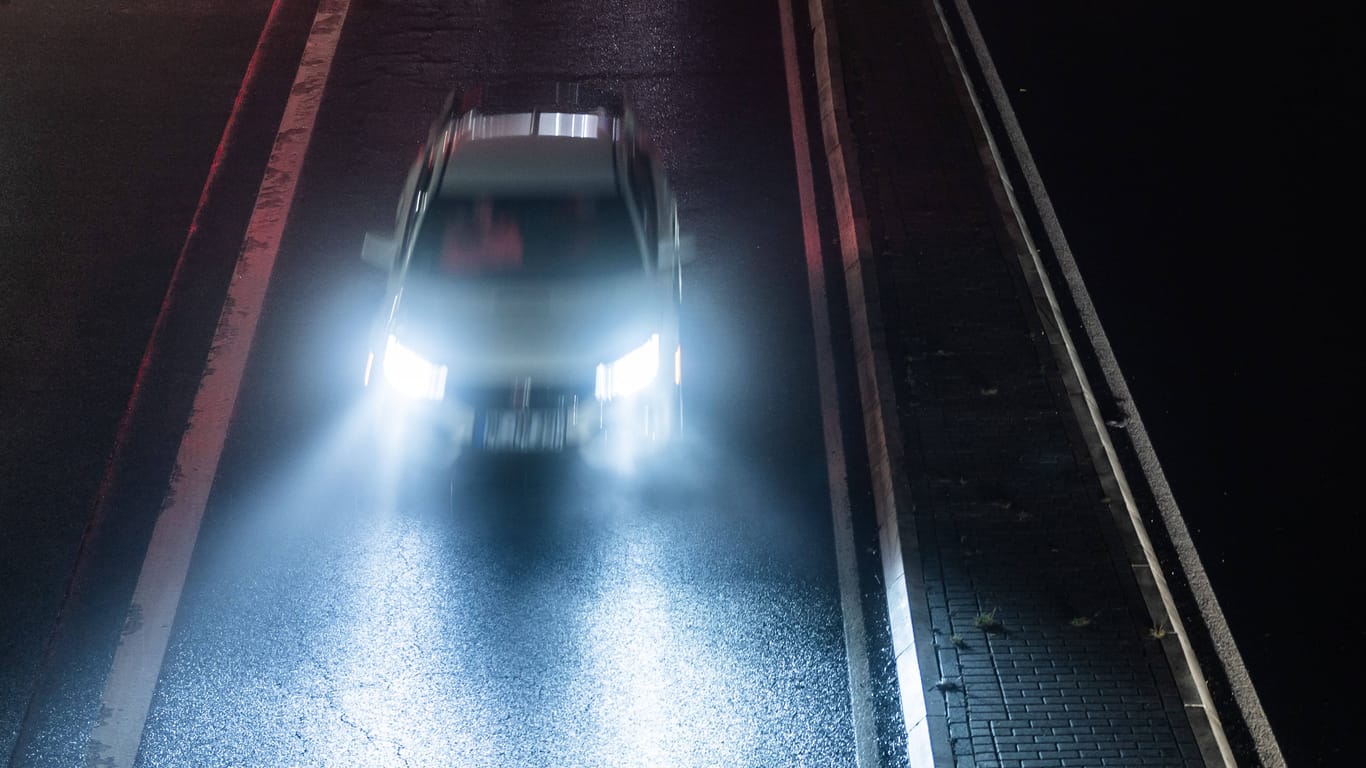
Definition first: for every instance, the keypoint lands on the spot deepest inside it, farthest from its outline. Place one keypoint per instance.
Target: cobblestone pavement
(1047, 655)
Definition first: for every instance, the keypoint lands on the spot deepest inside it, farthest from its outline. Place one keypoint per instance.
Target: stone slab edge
(908, 607)
(1212, 616)
(1200, 706)
(906, 601)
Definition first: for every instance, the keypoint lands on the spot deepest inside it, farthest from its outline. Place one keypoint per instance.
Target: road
(536, 614)
(551, 612)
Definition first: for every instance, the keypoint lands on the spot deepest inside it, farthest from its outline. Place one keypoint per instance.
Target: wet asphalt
(109, 115)
(536, 613)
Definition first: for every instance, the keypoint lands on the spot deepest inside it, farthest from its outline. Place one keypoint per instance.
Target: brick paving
(1047, 656)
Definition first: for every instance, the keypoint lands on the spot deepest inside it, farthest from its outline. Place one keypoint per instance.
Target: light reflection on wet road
(543, 615)
(572, 622)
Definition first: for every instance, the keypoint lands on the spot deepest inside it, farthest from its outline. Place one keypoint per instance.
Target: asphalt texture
(111, 112)
(508, 613)
(540, 613)
(537, 614)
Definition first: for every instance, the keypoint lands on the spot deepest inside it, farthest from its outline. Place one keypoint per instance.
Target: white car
(535, 284)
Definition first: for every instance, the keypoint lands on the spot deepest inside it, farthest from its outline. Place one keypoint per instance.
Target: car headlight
(629, 373)
(412, 375)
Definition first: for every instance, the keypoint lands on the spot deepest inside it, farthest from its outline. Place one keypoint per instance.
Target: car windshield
(518, 237)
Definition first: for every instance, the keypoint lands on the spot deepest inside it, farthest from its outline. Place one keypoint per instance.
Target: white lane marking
(927, 740)
(137, 663)
(855, 630)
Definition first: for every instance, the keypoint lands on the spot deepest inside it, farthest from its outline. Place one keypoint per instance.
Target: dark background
(1203, 167)
(1202, 159)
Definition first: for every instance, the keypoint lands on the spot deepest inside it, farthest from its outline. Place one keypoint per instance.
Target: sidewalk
(1023, 581)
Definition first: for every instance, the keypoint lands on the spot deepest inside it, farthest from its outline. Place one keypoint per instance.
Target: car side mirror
(378, 251)
(687, 249)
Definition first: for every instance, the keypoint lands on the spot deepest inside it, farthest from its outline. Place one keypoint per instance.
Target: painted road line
(927, 737)
(230, 130)
(137, 662)
(115, 466)
(846, 557)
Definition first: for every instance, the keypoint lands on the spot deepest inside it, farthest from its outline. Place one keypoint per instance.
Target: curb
(57, 713)
(1201, 707)
(1211, 615)
(908, 608)
(906, 598)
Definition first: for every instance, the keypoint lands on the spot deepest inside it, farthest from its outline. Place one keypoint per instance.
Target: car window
(643, 187)
(526, 237)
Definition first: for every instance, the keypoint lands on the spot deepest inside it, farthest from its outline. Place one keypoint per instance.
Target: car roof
(529, 165)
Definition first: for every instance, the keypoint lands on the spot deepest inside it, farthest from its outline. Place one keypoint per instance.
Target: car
(535, 283)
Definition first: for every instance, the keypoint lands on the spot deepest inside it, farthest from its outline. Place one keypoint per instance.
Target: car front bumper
(441, 431)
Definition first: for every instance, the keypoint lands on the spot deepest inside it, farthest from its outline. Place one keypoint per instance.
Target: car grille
(512, 396)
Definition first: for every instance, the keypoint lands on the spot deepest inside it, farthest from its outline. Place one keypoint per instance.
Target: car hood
(499, 330)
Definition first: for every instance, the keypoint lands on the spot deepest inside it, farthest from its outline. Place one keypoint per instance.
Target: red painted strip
(156, 598)
(151, 351)
(100, 511)
(846, 560)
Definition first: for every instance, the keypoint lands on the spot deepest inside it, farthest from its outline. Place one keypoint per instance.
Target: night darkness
(1204, 164)
(1205, 172)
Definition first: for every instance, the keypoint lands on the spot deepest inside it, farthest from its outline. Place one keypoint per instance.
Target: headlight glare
(629, 373)
(412, 375)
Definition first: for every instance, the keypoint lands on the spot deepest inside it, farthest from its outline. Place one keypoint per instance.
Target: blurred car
(535, 283)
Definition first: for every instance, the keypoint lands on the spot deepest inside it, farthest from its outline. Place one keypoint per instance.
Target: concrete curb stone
(1030, 649)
